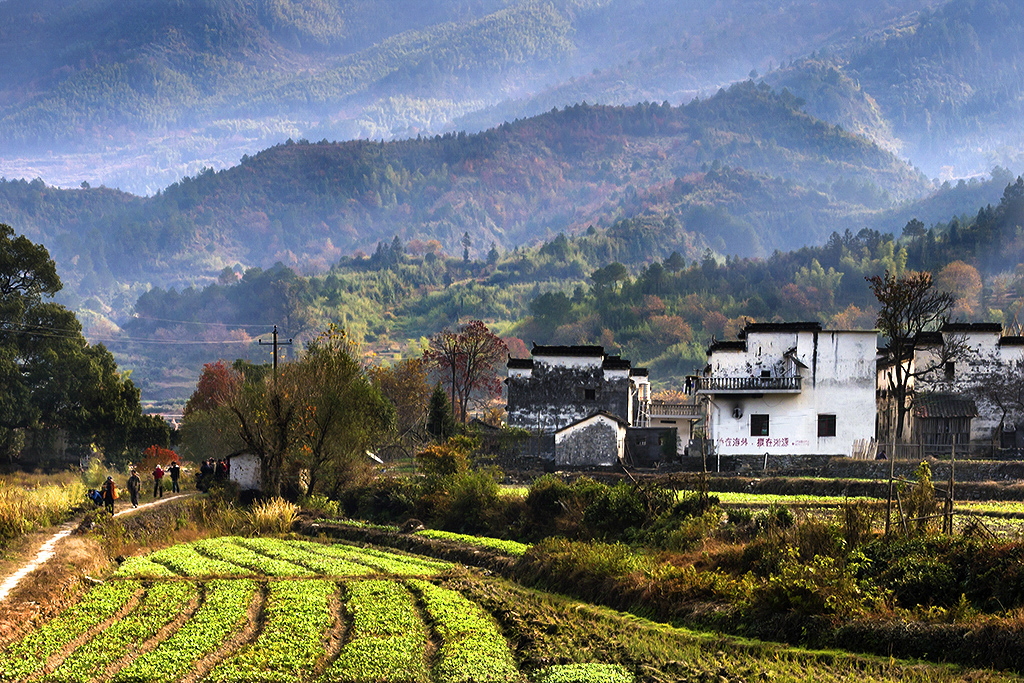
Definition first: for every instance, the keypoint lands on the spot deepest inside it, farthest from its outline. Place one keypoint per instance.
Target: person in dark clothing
(134, 485)
(158, 482)
(222, 469)
(109, 494)
(175, 470)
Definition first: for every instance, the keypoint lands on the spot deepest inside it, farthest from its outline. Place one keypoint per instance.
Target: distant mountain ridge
(136, 95)
(306, 204)
(945, 90)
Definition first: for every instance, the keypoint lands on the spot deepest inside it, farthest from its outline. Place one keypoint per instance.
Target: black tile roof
(973, 327)
(579, 351)
(730, 345)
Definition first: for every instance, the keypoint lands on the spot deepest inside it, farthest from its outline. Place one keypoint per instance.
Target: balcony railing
(680, 410)
(748, 385)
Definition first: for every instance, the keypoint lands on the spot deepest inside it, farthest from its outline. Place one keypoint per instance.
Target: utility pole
(275, 344)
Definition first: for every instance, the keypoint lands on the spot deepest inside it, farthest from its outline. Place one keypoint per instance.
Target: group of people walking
(209, 471)
(108, 492)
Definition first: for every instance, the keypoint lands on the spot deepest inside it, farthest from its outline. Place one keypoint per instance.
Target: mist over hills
(946, 90)
(306, 204)
(549, 138)
(137, 95)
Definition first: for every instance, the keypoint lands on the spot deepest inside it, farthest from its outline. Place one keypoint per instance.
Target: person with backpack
(175, 470)
(134, 484)
(109, 494)
(158, 481)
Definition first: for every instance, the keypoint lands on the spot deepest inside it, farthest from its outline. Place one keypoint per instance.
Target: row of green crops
(290, 552)
(387, 639)
(160, 605)
(472, 648)
(30, 653)
(380, 560)
(182, 560)
(223, 612)
(228, 550)
(297, 615)
(236, 556)
(501, 545)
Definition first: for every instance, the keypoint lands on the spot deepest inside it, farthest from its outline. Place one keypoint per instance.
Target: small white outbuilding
(244, 470)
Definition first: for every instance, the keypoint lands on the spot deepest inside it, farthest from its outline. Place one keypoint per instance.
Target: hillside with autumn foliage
(306, 204)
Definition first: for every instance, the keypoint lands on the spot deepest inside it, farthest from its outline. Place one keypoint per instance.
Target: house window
(826, 425)
(950, 370)
(590, 394)
(759, 425)
(766, 374)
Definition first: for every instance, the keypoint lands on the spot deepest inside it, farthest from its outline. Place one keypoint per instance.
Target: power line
(57, 333)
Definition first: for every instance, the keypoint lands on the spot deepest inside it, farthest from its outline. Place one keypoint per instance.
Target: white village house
(790, 389)
(947, 407)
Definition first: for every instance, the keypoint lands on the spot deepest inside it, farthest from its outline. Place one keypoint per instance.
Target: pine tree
(440, 422)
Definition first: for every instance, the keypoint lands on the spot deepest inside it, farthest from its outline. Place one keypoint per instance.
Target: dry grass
(27, 503)
(274, 516)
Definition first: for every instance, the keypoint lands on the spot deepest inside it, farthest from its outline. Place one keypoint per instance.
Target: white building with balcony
(790, 389)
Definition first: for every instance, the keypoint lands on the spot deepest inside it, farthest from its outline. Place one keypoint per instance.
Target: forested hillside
(136, 95)
(945, 90)
(625, 287)
(307, 204)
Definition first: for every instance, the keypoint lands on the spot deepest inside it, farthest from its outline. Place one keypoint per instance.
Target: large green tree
(319, 414)
(52, 377)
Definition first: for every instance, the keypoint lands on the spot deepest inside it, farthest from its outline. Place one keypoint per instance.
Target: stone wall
(589, 445)
(553, 397)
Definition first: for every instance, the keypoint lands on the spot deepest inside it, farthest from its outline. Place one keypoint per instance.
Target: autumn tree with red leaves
(217, 383)
(467, 361)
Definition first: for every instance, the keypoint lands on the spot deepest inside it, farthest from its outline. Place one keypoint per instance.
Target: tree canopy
(52, 377)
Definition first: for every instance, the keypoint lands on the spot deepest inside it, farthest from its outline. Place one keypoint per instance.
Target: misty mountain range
(244, 133)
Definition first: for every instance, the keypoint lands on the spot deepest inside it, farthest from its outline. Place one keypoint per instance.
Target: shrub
(822, 586)
(814, 537)
(473, 501)
(625, 506)
(392, 499)
(774, 518)
(321, 503)
(919, 501)
(858, 521)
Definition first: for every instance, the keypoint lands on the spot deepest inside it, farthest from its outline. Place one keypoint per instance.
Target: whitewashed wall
(838, 379)
(245, 471)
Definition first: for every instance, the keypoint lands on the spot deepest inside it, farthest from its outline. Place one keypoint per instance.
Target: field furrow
(22, 658)
(228, 549)
(472, 647)
(290, 552)
(223, 612)
(291, 641)
(144, 567)
(387, 641)
(389, 563)
(159, 606)
(185, 560)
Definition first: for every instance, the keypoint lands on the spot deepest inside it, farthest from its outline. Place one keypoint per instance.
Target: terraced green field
(258, 610)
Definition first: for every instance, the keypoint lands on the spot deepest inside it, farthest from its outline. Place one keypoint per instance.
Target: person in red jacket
(158, 481)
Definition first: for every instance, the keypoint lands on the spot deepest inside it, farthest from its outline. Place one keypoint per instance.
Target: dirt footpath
(47, 569)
